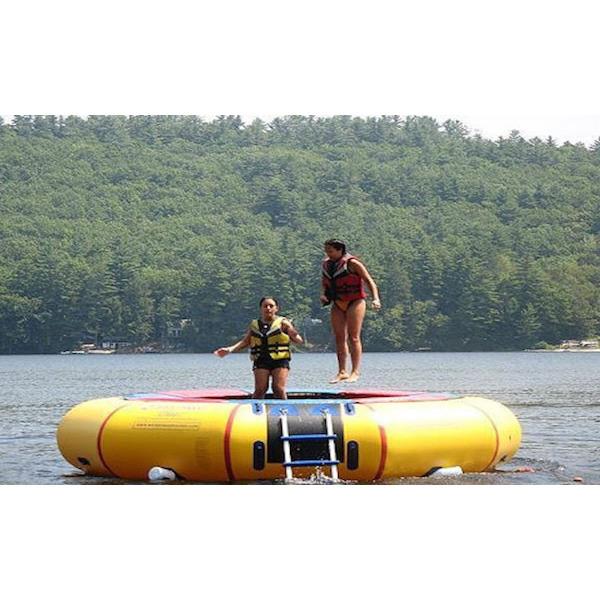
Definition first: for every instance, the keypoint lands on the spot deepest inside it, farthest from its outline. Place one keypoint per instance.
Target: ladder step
(309, 436)
(310, 463)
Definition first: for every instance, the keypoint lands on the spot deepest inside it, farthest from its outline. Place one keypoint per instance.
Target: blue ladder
(330, 436)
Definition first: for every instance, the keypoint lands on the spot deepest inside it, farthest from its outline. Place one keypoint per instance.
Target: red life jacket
(339, 282)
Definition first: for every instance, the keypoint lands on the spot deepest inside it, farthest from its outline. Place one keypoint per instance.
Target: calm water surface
(555, 396)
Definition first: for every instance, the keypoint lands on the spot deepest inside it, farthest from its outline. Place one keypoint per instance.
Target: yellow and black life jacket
(271, 342)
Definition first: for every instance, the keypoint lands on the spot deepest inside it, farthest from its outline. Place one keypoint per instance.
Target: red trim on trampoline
(369, 392)
(203, 395)
(422, 397)
(171, 399)
(383, 437)
(360, 396)
(99, 441)
(214, 393)
(227, 441)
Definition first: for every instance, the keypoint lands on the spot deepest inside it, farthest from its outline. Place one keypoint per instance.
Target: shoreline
(580, 350)
(117, 353)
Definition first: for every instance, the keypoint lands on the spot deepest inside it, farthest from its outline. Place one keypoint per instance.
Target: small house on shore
(579, 344)
(116, 343)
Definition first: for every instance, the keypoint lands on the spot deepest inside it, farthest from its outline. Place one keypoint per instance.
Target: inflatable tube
(223, 435)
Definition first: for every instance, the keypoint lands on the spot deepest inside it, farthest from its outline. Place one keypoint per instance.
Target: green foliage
(116, 226)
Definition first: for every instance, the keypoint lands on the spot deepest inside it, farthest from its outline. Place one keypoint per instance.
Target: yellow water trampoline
(223, 435)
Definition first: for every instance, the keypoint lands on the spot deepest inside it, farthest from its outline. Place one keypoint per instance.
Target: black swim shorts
(270, 364)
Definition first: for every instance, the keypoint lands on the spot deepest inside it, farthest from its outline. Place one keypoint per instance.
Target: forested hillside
(120, 226)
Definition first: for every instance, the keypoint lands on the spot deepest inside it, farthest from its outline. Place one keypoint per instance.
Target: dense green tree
(126, 226)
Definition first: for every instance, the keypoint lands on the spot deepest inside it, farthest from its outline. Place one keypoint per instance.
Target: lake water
(555, 396)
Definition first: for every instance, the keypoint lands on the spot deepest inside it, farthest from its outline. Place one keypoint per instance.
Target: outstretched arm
(288, 328)
(225, 350)
(362, 272)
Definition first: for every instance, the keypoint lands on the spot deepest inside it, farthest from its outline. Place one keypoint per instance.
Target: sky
(496, 66)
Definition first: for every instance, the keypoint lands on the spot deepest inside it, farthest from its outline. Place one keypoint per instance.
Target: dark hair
(337, 244)
(268, 298)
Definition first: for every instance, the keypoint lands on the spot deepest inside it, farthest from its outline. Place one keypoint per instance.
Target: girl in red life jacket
(269, 339)
(342, 282)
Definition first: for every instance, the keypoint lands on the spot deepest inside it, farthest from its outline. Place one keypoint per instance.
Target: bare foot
(339, 377)
(353, 377)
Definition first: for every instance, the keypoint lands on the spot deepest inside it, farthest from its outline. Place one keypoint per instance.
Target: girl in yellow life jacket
(269, 340)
